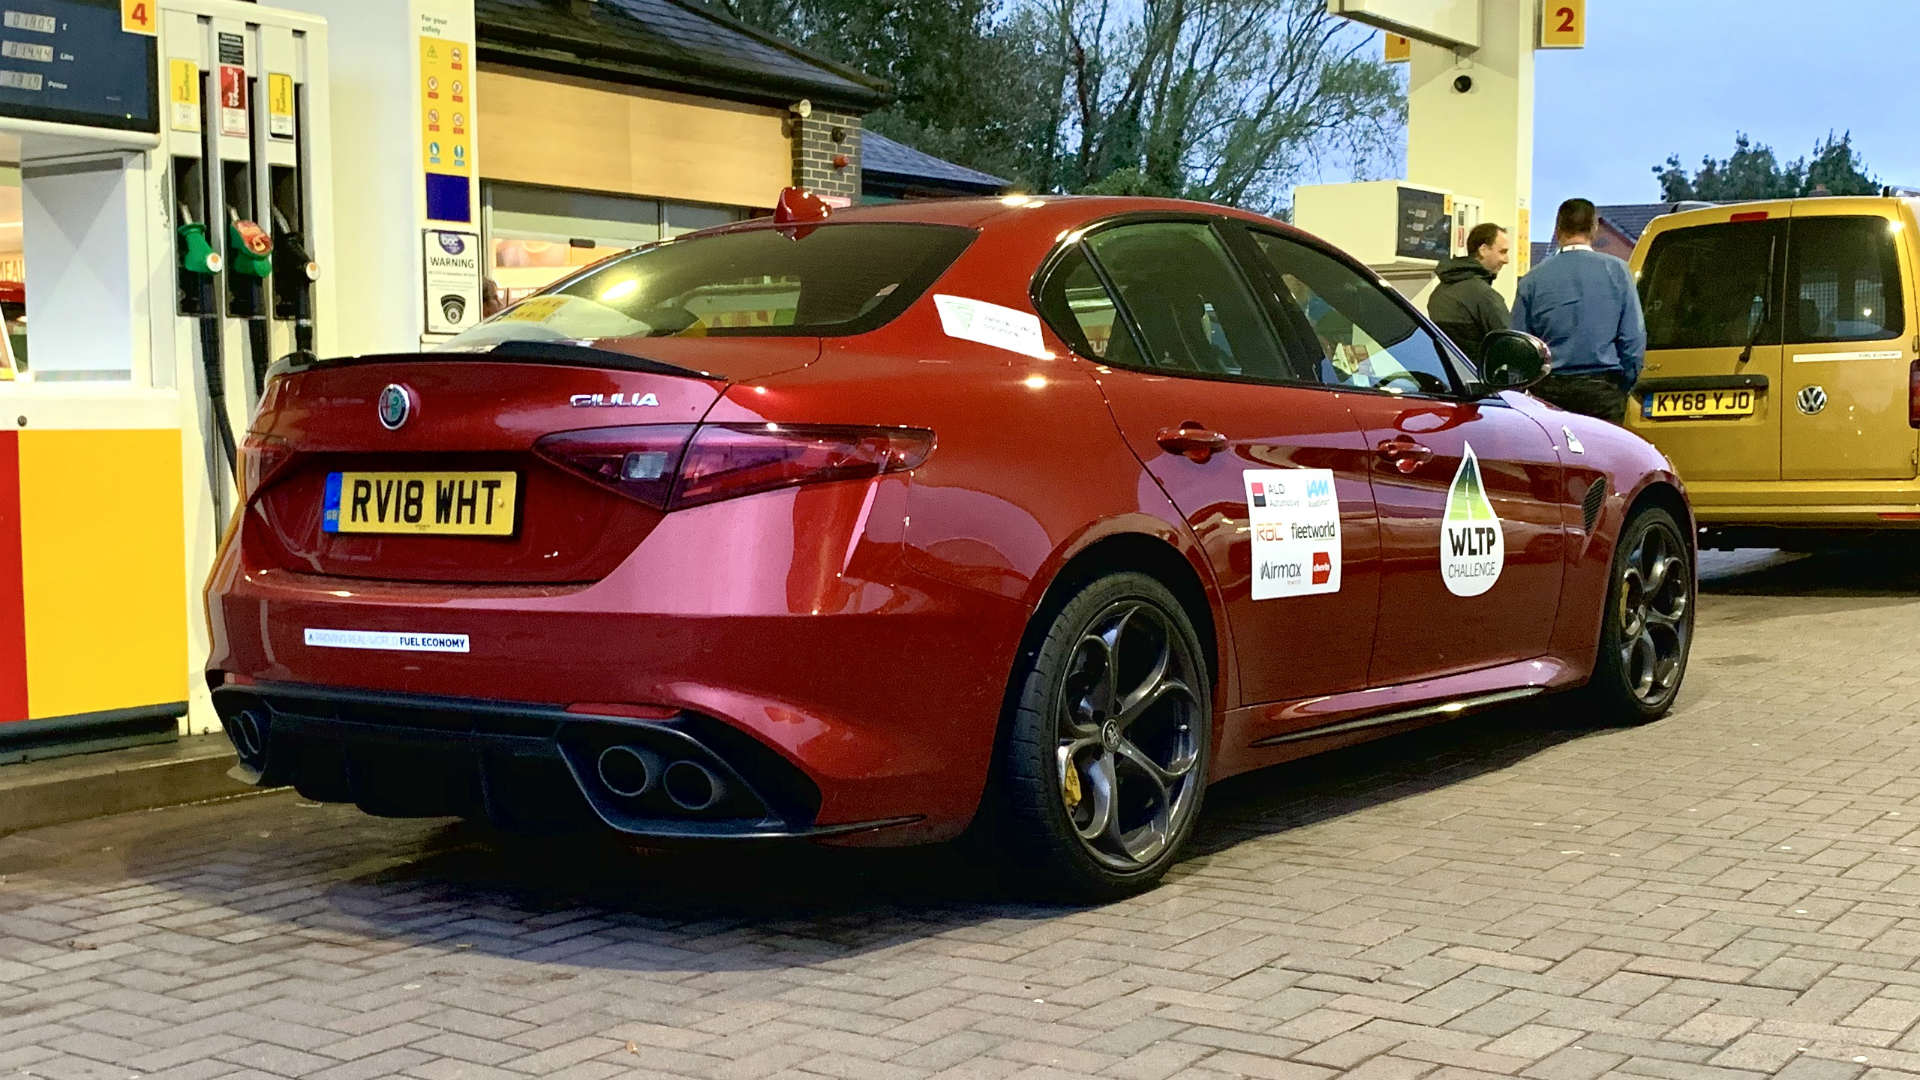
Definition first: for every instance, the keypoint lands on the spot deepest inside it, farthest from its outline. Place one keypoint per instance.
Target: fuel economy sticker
(1473, 549)
(1294, 516)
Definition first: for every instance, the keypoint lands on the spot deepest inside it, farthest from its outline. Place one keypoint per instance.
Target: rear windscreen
(821, 280)
(1712, 286)
(1811, 280)
(1844, 281)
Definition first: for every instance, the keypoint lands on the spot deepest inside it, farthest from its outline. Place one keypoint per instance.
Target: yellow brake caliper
(1069, 780)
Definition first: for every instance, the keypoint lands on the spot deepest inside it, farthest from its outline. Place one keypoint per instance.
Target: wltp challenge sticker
(1473, 550)
(1294, 515)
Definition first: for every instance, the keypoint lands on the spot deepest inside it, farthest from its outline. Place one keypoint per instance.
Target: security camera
(453, 306)
(802, 108)
(1462, 84)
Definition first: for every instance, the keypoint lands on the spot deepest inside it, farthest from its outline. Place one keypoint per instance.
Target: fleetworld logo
(1473, 548)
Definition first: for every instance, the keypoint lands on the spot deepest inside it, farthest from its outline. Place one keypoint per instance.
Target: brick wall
(815, 148)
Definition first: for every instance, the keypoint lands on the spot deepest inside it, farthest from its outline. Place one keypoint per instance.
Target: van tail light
(262, 457)
(661, 466)
(1913, 394)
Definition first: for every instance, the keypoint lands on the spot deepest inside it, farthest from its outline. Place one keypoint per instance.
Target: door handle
(1405, 454)
(1193, 440)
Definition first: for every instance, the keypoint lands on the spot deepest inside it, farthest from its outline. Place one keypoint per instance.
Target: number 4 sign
(1563, 24)
(139, 17)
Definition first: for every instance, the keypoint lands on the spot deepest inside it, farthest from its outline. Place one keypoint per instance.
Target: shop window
(13, 275)
(536, 236)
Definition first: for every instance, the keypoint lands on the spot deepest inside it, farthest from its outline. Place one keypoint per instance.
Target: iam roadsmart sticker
(1473, 550)
(1294, 516)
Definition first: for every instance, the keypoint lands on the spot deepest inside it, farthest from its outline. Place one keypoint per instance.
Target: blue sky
(1681, 76)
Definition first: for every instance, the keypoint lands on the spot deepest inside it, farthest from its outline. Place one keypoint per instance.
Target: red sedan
(1031, 516)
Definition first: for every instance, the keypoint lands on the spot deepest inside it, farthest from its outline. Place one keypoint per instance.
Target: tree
(1222, 100)
(1754, 172)
(1225, 100)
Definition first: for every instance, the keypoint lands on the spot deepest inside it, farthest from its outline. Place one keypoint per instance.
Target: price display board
(78, 62)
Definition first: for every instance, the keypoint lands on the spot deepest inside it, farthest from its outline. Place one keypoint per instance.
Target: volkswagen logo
(396, 405)
(1811, 400)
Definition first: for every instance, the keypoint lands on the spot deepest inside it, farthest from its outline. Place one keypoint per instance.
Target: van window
(1708, 287)
(1844, 281)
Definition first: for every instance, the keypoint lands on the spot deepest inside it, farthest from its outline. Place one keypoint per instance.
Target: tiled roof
(1632, 219)
(674, 44)
(879, 154)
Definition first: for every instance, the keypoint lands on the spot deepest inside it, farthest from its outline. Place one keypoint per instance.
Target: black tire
(1647, 633)
(1060, 710)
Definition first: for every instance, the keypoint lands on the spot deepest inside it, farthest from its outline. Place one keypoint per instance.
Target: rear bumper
(788, 619)
(522, 767)
(1815, 504)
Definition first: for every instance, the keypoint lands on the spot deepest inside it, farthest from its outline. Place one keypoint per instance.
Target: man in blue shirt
(1584, 306)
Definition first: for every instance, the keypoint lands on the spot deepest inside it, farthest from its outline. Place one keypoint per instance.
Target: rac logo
(588, 401)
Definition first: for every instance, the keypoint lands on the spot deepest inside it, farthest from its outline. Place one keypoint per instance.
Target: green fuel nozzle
(196, 251)
(250, 249)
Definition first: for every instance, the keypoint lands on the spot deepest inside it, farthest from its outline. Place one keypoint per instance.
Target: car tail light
(638, 462)
(674, 466)
(1913, 394)
(726, 461)
(261, 459)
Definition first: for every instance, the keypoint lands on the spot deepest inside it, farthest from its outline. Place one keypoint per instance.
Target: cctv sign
(452, 264)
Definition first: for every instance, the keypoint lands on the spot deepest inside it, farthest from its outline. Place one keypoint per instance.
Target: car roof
(1056, 212)
(1811, 206)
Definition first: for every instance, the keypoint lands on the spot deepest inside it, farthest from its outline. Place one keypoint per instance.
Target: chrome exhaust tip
(692, 786)
(627, 771)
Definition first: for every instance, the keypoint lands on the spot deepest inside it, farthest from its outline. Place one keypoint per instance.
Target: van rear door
(1849, 342)
(1710, 284)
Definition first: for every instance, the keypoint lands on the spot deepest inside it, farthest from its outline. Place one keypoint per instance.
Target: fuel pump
(175, 171)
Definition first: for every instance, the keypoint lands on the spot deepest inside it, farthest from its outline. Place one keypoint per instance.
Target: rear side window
(1712, 286)
(1844, 282)
(1083, 312)
(825, 280)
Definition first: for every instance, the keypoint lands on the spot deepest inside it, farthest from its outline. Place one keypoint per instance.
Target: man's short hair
(1577, 218)
(1483, 234)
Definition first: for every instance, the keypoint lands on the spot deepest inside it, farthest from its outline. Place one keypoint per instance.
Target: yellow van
(1783, 364)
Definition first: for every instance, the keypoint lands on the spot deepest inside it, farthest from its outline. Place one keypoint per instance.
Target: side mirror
(1511, 360)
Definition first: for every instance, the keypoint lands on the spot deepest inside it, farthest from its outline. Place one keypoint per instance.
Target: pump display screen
(1425, 228)
(69, 62)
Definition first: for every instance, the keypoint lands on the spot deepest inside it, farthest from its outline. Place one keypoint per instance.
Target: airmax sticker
(1294, 516)
(1473, 549)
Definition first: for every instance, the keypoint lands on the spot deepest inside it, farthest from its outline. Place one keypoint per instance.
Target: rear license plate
(421, 503)
(1688, 404)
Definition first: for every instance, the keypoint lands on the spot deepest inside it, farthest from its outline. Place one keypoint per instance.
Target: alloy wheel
(1128, 750)
(1656, 616)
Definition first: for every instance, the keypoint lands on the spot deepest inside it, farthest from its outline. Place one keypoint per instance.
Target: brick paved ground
(1730, 893)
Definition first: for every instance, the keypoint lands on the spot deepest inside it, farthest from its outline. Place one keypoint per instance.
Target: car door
(1468, 490)
(1849, 354)
(1712, 393)
(1269, 471)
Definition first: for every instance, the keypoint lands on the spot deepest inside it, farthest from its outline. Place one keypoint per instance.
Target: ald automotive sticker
(1473, 549)
(385, 641)
(1294, 516)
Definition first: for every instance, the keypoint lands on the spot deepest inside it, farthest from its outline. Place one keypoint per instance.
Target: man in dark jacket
(1465, 305)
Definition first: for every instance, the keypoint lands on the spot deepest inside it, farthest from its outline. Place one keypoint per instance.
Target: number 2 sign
(1563, 24)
